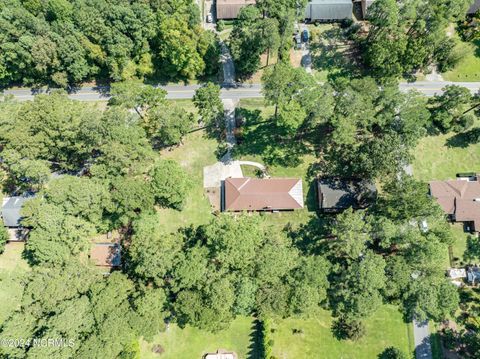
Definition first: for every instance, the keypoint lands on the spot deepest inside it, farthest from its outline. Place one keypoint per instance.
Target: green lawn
(460, 245)
(468, 69)
(192, 343)
(12, 272)
(196, 153)
(435, 160)
(385, 328)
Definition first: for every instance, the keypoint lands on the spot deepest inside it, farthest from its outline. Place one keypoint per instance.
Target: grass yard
(196, 152)
(468, 69)
(460, 245)
(12, 271)
(435, 159)
(192, 343)
(386, 328)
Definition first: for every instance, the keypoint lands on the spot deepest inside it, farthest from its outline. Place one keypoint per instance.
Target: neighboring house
(474, 8)
(473, 275)
(336, 194)
(106, 255)
(12, 217)
(328, 10)
(460, 199)
(254, 194)
(229, 9)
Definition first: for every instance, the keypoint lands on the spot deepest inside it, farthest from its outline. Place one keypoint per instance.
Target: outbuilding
(229, 9)
(328, 10)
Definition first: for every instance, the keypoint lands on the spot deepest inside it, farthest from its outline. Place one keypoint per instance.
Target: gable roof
(253, 194)
(460, 198)
(229, 9)
(329, 10)
(337, 194)
(11, 210)
(106, 254)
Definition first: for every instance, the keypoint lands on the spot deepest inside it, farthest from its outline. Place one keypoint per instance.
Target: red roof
(253, 194)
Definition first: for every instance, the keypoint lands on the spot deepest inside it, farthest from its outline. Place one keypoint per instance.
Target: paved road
(232, 91)
(421, 333)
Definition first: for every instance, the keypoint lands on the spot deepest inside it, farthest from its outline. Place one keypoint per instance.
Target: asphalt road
(234, 92)
(421, 333)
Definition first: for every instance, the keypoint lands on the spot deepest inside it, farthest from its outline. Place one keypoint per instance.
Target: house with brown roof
(254, 194)
(229, 9)
(107, 255)
(460, 199)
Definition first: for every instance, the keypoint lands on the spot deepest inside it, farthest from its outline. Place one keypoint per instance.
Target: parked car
(305, 35)
(209, 18)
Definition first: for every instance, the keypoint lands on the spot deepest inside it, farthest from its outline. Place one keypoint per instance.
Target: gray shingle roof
(338, 194)
(474, 7)
(329, 10)
(11, 210)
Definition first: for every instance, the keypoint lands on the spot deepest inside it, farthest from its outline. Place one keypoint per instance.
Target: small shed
(229, 9)
(328, 10)
(457, 273)
(11, 209)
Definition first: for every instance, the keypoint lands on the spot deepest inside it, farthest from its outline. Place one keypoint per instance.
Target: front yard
(468, 69)
(442, 157)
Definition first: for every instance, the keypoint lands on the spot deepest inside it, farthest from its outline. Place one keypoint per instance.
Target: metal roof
(11, 210)
(329, 10)
(229, 9)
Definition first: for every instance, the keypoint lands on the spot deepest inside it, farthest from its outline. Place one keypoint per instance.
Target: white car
(209, 18)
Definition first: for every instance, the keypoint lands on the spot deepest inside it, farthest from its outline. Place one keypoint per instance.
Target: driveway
(306, 56)
(423, 346)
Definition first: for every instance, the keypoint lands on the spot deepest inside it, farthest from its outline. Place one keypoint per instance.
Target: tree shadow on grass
(255, 349)
(262, 137)
(465, 139)
(313, 237)
(335, 54)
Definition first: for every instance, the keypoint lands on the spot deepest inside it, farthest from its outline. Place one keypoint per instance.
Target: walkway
(421, 333)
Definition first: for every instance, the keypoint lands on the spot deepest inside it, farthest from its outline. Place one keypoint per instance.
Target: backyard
(313, 338)
(12, 272)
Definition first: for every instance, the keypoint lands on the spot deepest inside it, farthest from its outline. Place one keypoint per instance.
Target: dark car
(305, 35)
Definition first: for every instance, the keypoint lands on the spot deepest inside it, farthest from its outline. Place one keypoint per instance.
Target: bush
(392, 353)
(3, 238)
(220, 25)
(344, 328)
